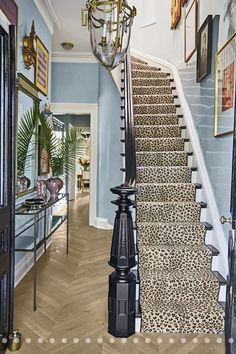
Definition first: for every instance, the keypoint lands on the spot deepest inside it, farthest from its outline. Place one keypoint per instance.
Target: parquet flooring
(72, 301)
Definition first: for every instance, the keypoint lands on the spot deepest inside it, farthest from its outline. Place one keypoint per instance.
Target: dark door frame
(8, 189)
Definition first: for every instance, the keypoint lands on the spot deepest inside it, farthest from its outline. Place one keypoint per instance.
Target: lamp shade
(110, 25)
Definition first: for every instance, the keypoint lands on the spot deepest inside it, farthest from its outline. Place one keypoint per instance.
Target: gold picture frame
(225, 69)
(84, 17)
(41, 67)
(175, 13)
(190, 31)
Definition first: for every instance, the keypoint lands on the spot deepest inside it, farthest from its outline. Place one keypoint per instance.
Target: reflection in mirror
(27, 105)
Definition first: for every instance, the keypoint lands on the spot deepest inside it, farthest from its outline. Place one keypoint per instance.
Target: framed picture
(175, 13)
(204, 49)
(84, 17)
(43, 161)
(190, 31)
(41, 67)
(225, 76)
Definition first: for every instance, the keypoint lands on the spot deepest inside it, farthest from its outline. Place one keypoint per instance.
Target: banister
(122, 282)
(130, 158)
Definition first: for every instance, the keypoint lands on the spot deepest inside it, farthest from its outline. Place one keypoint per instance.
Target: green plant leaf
(26, 130)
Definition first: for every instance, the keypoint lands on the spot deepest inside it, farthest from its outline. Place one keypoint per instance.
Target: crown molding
(48, 14)
(74, 57)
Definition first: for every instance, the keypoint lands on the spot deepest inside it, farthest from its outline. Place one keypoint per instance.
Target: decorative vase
(23, 183)
(54, 185)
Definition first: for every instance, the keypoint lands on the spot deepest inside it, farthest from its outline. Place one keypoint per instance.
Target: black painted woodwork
(122, 282)
(7, 173)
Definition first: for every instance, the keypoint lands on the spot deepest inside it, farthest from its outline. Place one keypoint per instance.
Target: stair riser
(156, 120)
(140, 74)
(136, 66)
(165, 90)
(158, 132)
(159, 144)
(166, 234)
(192, 321)
(154, 109)
(181, 290)
(163, 175)
(138, 61)
(162, 193)
(162, 159)
(142, 99)
(168, 212)
(151, 82)
(155, 259)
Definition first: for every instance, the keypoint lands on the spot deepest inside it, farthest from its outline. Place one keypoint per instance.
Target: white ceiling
(66, 16)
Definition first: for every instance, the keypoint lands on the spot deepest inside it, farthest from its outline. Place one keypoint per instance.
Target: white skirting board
(26, 263)
(103, 224)
(197, 150)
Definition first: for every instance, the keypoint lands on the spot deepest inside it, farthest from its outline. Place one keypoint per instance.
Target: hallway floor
(72, 301)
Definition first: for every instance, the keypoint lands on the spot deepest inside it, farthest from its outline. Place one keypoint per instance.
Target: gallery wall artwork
(175, 13)
(41, 67)
(190, 31)
(204, 49)
(43, 160)
(230, 15)
(225, 87)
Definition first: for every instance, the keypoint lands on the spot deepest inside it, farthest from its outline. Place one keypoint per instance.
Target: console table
(39, 238)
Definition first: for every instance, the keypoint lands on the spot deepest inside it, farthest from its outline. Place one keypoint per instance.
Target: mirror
(27, 100)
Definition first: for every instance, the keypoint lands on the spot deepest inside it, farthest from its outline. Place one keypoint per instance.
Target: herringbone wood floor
(72, 301)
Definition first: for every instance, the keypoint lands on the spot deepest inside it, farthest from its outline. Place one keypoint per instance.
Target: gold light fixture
(67, 45)
(29, 48)
(110, 23)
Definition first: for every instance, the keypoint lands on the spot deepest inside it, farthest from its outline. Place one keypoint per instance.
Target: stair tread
(176, 247)
(194, 275)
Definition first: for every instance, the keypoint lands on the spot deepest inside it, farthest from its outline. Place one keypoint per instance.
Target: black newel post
(122, 282)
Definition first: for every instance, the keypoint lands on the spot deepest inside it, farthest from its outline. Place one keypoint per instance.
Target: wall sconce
(29, 48)
(110, 23)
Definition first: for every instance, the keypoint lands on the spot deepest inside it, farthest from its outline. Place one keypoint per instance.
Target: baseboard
(196, 145)
(26, 263)
(103, 224)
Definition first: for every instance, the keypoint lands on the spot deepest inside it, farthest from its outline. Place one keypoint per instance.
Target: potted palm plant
(26, 130)
(61, 154)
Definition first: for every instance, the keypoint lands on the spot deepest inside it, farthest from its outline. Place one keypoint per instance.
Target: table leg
(35, 263)
(67, 227)
(44, 231)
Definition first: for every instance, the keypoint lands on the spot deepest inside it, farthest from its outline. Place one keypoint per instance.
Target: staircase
(178, 291)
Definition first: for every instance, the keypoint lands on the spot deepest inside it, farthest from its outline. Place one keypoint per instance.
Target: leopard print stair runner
(178, 291)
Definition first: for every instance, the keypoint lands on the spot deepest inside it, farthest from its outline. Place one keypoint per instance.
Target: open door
(230, 314)
(7, 181)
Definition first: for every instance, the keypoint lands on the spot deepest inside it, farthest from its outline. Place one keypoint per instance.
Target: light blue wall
(75, 82)
(109, 146)
(217, 151)
(90, 83)
(28, 12)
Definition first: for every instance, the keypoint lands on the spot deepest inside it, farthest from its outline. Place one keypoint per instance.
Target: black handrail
(130, 152)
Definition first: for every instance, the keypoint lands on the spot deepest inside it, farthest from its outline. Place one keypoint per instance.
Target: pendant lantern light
(110, 23)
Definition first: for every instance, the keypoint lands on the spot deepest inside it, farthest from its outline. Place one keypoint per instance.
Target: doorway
(79, 182)
(85, 117)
